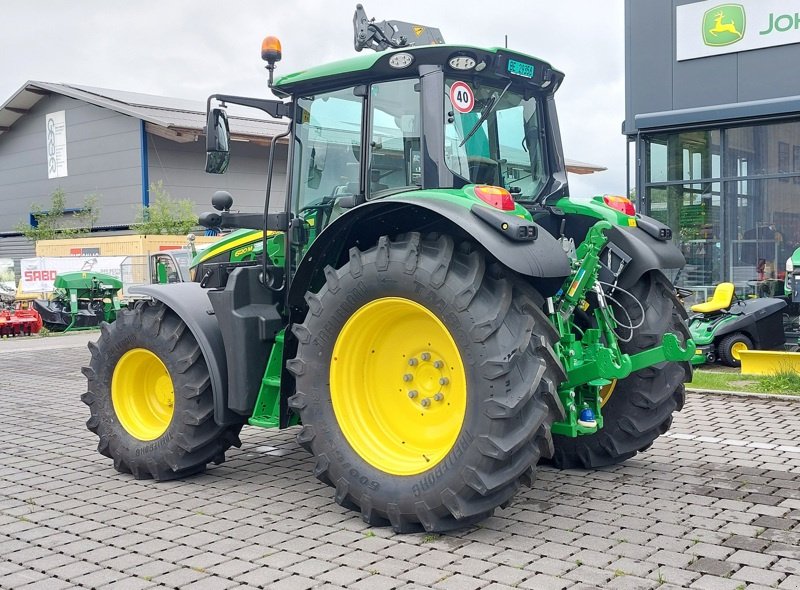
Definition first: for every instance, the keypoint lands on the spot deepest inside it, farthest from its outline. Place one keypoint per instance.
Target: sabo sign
(713, 28)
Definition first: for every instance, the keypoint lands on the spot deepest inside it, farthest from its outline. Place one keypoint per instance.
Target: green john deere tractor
(427, 304)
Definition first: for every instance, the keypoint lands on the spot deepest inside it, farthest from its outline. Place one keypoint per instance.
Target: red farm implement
(20, 322)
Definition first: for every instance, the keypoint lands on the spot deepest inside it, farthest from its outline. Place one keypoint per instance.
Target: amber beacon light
(271, 50)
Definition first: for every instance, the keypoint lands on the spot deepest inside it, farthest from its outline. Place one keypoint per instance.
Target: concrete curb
(778, 396)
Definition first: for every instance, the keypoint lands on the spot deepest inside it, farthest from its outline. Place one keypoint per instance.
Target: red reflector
(496, 196)
(621, 204)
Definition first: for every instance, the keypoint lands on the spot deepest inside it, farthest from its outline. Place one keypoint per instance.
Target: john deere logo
(723, 25)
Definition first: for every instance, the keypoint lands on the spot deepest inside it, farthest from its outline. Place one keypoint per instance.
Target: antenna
(506, 36)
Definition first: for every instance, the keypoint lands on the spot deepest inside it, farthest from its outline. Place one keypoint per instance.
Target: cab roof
(375, 66)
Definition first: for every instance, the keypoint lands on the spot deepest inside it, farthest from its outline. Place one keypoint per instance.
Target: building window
(732, 198)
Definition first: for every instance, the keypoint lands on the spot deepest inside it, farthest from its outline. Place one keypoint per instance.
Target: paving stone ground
(713, 505)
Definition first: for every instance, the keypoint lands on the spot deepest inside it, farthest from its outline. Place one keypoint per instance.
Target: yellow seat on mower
(721, 300)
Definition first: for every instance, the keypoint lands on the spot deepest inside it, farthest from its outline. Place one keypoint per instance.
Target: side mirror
(218, 138)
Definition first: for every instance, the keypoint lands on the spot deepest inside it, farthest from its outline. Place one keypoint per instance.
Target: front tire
(395, 335)
(637, 409)
(150, 397)
(730, 347)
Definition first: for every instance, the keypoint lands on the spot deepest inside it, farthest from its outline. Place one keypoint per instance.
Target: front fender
(190, 302)
(542, 258)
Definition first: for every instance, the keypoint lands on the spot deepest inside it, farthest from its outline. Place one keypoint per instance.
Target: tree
(165, 215)
(56, 222)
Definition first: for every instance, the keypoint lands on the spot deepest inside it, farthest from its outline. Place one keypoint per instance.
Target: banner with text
(38, 274)
(714, 28)
(56, 131)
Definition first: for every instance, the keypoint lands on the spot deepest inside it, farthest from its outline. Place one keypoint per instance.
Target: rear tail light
(496, 196)
(621, 204)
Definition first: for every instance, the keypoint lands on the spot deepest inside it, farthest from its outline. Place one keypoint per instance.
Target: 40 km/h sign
(462, 98)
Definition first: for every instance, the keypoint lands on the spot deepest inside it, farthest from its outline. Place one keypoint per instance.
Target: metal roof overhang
(718, 114)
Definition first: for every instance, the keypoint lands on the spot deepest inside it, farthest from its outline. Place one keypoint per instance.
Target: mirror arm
(274, 108)
(224, 219)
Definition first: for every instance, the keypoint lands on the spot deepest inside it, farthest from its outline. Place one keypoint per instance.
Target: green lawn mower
(428, 308)
(725, 326)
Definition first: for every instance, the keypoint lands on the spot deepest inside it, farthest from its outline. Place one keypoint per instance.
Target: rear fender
(646, 253)
(190, 302)
(542, 259)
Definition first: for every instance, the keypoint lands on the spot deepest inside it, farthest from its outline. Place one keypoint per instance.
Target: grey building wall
(656, 82)
(16, 248)
(181, 167)
(103, 158)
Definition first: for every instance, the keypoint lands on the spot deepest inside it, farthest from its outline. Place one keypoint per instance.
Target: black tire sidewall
(361, 477)
(725, 349)
(123, 335)
(649, 395)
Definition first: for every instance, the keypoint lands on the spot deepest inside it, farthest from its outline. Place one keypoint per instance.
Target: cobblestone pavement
(713, 505)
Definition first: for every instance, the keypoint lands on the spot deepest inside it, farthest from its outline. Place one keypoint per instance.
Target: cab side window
(328, 150)
(394, 154)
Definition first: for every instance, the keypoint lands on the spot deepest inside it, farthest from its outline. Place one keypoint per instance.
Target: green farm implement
(427, 307)
(81, 300)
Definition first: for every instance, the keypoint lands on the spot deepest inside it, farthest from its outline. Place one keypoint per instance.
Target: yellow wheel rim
(398, 386)
(736, 348)
(606, 391)
(142, 394)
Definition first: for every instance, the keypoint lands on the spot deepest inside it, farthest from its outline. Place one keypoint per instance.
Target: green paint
(703, 331)
(364, 63)
(463, 197)
(595, 208)
(267, 411)
(87, 285)
(724, 25)
(593, 357)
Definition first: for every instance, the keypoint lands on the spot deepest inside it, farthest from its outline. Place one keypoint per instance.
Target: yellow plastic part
(722, 299)
(768, 362)
(398, 386)
(142, 394)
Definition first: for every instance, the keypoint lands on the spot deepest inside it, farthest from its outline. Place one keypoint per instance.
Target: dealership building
(712, 117)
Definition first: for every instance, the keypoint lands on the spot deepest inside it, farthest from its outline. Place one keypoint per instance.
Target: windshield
(505, 149)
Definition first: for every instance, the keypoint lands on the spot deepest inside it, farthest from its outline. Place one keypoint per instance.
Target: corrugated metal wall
(103, 158)
(181, 167)
(16, 248)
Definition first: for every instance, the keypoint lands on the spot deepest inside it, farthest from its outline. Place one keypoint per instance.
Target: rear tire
(730, 347)
(640, 407)
(157, 420)
(503, 343)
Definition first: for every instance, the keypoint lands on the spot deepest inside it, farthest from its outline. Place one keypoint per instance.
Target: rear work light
(496, 196)
(621, 204)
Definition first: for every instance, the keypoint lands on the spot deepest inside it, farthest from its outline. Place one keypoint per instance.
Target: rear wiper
(488, 109)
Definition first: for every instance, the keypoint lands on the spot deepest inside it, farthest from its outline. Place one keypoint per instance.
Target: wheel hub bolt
(444, 381)
(438, 397)
(426, 356)
(412, 394)
(426, 402)
(412, 362)
(438, 364)
(408, 377)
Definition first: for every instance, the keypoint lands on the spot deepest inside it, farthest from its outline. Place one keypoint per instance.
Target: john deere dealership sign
(714, 28)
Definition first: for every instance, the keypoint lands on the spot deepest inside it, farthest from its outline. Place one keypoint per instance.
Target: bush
(165, 215)
(52, 223)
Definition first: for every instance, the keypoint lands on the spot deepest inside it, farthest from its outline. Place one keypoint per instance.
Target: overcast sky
(192, 48)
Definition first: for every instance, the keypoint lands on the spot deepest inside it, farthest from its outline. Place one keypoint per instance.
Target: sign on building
(711, 28)
(56, 130)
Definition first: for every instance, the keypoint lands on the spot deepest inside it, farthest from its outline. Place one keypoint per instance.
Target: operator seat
(720, 301)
